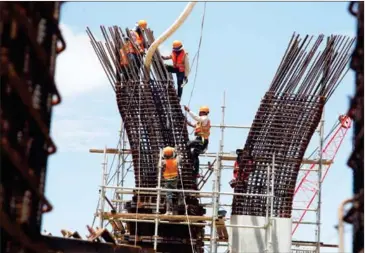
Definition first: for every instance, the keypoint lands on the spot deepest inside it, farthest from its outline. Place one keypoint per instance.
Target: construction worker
(236, 168)
(126, 58)
(202, 132)
(180, 65)
(137, 35)
(170, 166)
(134, 47)
(244, 174)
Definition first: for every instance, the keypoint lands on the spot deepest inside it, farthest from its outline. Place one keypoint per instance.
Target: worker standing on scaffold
(202, 133)
(170, 166)
(244, 158)
(180, 67)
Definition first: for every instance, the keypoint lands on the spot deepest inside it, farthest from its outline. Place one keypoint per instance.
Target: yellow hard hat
(204, 109)
(176, 44)
(168, 151)
(142, 23)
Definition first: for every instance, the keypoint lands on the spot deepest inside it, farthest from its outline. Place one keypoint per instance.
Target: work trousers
(170, 184)
(131, 71)
(179, 76)
(197, 147)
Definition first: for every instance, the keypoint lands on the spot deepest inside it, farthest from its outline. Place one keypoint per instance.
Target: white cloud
(77, 68)
(79, 135)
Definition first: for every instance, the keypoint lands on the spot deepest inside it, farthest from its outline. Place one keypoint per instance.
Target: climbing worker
(170, 166)
(202, 132)
(137, 35)
(180, 65)
(128, 59)
(124, 61)
(134, 47)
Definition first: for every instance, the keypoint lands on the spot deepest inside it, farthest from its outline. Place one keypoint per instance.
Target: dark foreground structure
(355, 215)
(28, 44)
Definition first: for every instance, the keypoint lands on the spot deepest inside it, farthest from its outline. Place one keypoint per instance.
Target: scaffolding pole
(217, 182)
(103, 185)
(320, 166)
(158, 200)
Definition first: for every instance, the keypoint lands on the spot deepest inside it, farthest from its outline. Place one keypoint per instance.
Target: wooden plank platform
(225, 156)
(147, 216)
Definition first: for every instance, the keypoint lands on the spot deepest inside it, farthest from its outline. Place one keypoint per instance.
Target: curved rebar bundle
(153, 119)
(286, 120)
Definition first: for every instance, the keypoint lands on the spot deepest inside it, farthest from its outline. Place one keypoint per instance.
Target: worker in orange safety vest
(137, 35)
(126, 59)
(202, 133)
(131, 54)
(170, 169)
(180, 67)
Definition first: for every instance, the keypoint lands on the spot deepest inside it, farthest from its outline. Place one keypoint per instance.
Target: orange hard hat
(204, 109)
(168, 151)
(142, 23)
(176, 44)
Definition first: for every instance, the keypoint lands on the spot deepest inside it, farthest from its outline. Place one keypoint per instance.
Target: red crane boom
(305, 184)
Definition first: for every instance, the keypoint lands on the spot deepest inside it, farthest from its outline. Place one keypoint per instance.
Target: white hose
(179, 21)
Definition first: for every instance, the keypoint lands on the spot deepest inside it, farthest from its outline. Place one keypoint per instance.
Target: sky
(242, 45)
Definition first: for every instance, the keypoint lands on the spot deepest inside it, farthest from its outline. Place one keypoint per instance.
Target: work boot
(168, 210)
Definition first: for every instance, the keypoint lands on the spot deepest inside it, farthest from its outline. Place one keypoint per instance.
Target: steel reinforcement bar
(286, 120)
(29, 38)
(153, 119)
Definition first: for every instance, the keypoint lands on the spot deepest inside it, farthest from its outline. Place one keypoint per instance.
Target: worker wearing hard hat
(180, 65)
(202, 132)
(132, 51)
(170, 168)
(137, 35)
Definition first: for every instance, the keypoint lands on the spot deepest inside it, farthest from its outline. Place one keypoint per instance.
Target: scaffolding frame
(120, 190)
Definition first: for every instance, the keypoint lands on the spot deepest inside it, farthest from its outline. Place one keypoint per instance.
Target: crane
(307, 189)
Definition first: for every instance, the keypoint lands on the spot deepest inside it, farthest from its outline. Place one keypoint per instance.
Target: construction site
(260, 197)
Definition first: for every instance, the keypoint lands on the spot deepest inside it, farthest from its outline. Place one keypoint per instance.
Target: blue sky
(241, 49)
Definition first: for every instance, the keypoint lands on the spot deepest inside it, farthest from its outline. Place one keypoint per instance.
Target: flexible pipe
(178, 22)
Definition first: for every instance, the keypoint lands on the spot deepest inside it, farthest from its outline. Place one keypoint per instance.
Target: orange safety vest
(171, 168)
(128, 47)
(123, 58)
(139, 40)
(203, 131)
(179, 60)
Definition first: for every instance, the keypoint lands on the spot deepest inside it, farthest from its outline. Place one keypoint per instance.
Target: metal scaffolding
(222, 165)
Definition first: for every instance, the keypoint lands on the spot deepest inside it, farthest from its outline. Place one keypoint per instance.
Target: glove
(185, 80)
(186, 108)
